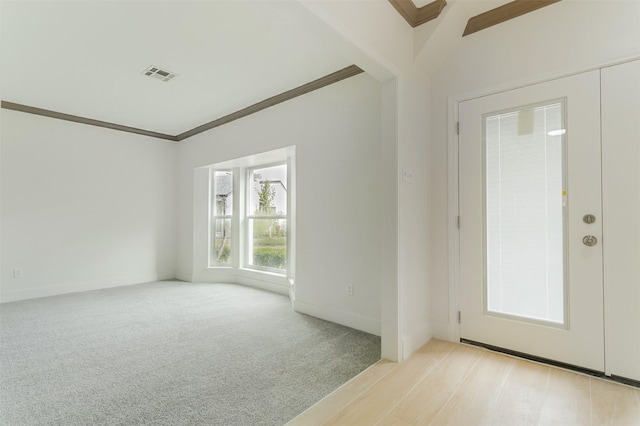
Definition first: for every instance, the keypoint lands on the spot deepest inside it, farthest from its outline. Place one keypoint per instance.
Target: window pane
(524, 213)
(223, 184)
(268, 243)
(221, 241)
(268, 195)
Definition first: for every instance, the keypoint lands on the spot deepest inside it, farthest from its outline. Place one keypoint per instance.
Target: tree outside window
(267, 225)
(222, 217)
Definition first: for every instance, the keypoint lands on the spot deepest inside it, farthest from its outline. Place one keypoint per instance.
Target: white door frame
(452, 180)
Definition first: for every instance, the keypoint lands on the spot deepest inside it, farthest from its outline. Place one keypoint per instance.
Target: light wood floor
(448, 383)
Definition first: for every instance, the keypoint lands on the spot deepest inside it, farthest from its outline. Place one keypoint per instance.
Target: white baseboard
(182, 276)
(417, 337)
(292, 291)
(442, 330)
(368, 325)
(36, 292)
(263, 280)
(263, 285)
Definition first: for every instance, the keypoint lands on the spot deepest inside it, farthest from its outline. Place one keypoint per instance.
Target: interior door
(531, 274)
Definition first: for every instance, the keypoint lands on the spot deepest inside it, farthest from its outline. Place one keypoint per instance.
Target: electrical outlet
(350, 289)
(17, 273)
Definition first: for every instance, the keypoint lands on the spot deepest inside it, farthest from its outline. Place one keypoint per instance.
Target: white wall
(388, 48)
(557, 40)
(83, 207)
(336, 131)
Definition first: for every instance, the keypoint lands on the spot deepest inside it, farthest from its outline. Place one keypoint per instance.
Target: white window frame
(213, 263)
(279, 281)
(247, 216)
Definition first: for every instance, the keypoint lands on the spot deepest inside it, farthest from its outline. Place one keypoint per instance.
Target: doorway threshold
(571, 367)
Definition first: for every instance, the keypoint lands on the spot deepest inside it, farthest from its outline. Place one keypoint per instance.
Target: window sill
(252, 271)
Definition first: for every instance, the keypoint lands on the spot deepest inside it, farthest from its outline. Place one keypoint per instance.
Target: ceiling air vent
(158, 73)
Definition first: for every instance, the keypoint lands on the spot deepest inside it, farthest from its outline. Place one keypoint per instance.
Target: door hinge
(458, 128)
(459, 317)
(458, 221)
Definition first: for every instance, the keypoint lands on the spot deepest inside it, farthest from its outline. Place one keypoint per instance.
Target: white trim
(244, 216)
(359, 322)
(183, 276)
(213, 216)
(416, 339)
(82, 286)
(291, 222)
(441, 330)
(453, 332)
(292, 291)
(202, 200)
(215, 275)
(263, 280)
(540, 78)
(275, 283)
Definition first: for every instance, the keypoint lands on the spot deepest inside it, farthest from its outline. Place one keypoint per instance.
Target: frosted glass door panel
(524, 235)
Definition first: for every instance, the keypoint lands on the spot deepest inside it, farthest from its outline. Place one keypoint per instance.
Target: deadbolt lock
(588, 218)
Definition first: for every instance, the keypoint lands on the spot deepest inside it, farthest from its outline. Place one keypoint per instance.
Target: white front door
(531, 275)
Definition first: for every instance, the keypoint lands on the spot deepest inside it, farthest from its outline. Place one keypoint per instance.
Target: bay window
(248, 217)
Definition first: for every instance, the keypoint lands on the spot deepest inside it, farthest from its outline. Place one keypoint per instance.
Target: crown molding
(504, 13)
(342, 74)
(339, 75)
(83, 120)
(418, 15)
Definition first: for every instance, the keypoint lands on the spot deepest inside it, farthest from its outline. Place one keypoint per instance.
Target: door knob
(589, 240)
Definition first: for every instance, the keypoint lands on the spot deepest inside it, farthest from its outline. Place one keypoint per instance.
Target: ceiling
(86, 58)
(476, 7)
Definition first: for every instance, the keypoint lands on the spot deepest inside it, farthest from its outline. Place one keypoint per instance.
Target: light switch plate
(407, 175)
